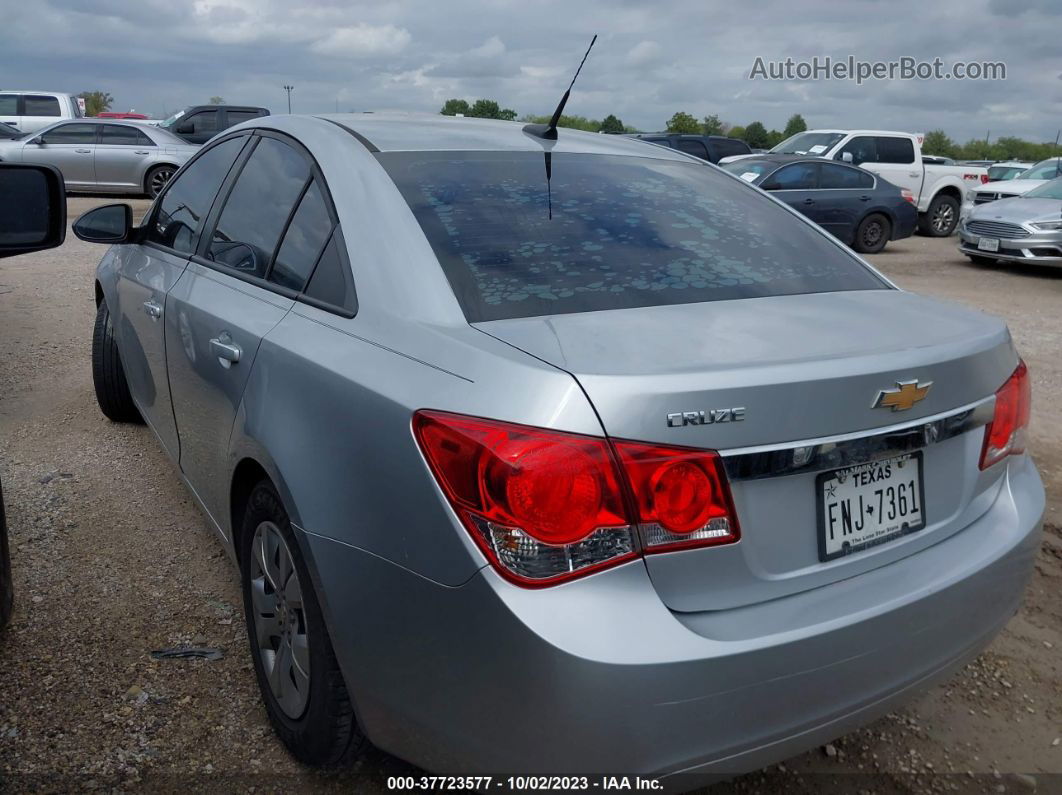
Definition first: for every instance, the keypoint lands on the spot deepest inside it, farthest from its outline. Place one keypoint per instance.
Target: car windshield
(997, 173)
(171, 120)
(1049, 190)
(749, 170)
(1046, 169)
(608, 232)
(807, 143)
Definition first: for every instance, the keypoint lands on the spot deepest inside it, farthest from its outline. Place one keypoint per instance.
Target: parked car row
(1024, 228)
(112, 152)
(1015, 185)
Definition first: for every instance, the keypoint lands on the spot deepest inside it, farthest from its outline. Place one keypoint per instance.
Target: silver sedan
(562, 455)
(1026, 228)
(103, 155)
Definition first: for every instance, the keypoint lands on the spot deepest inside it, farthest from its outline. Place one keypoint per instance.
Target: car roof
(105, 120)
(779, 159)
(407, 132)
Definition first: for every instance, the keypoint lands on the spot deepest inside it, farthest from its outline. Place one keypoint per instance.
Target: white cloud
(643, 52)
(358, 41)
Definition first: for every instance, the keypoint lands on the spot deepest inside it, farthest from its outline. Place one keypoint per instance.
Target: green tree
(683, 122)
(96, 102)
(737, 131)
(712, 125)
(796, 124)
(936, 142)
(610, 124)
(756, 135)
(454, 106)
(571, 122)
(774, 138)
(217, 100)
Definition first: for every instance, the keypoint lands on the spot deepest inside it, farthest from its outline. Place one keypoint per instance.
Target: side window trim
(149, 218)
(207, 230)
(348, 277)
(287, 224)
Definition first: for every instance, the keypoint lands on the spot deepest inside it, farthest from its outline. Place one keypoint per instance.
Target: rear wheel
(156, 180)
(108, 376)
(872, 234)
(941, 218)
(302, 686)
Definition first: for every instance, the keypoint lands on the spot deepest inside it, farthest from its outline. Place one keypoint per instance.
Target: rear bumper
(598, 676)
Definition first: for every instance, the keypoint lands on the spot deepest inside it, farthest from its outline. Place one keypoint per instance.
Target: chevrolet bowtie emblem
(906, 394)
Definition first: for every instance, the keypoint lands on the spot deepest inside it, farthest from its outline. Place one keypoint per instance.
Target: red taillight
(907, 195)
(546, 506)
(1005, 434)
(984, 179)
(681, 495)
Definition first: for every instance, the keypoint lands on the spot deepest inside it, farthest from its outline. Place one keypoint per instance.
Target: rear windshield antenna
(549, 131)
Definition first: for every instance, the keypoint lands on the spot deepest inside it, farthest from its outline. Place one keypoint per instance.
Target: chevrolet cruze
(569, 455)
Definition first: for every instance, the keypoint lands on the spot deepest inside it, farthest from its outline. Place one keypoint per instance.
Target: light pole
(289, 89)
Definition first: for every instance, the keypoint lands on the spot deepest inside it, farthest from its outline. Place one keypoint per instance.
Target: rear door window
(121, 135)
(608, 232)
(693, 147)
(9, 105)
(258, 208)
(332, 284)
(303, 241)
(796, 176)
(863, 149)
(237, 116)
(892, 149)
(839, 177)
(41, 106)
(189, 195)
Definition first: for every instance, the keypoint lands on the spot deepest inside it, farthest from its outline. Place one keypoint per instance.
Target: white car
(29, 111)
(897, 157)
(1008, 189)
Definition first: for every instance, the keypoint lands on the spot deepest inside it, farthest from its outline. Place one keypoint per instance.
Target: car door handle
(154, 310)
(915, 174)
(864, 198)
(141, 152)
(227, 351)
(809, 201)
(83, 151)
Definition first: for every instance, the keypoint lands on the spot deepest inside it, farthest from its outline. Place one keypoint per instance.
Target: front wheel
(872, 234)
(298, 675)
(108, 375)
(941, 218)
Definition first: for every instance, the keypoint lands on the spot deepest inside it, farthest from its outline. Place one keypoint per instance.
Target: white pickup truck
(897, 157)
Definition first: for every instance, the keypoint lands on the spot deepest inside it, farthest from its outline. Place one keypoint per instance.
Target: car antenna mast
(549, 131)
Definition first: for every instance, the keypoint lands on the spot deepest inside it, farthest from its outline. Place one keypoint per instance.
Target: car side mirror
(36, 141)
(33, 213)
(847, 157)
(185, 128)
(112, 223)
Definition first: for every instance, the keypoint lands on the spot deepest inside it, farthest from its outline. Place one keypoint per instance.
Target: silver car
(568, 455)
(1027, 228)
(104, 155)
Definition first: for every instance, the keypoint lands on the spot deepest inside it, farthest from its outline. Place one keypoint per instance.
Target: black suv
(706, 147)
(199, 123)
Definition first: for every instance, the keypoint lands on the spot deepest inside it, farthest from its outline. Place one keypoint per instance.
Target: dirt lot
(113, 560)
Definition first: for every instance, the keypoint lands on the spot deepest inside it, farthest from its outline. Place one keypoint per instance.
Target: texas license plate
(869, 504)
(988, 244)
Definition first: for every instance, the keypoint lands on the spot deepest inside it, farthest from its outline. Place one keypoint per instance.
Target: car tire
(986, 261)
(108, 376)
(311, 710)
(7, 587)
(155, 180)
(941, 218)
(872, 234)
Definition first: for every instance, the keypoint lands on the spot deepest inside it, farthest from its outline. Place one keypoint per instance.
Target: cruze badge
(710, 417)
(906, 394)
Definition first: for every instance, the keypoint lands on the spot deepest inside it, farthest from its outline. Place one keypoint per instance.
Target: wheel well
(952, 191)
(249, 473)
(147, 174)
(99, 294)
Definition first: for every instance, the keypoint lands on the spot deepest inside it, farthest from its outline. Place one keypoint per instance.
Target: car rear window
(608, 233)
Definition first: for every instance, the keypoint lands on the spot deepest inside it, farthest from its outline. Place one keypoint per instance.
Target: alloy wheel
(280, 620)
(943, 218)
(159, 179)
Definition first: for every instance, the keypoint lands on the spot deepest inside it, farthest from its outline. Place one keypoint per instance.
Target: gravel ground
(112, 560)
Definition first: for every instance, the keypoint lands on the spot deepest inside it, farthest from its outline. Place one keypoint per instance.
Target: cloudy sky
(652, 58)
